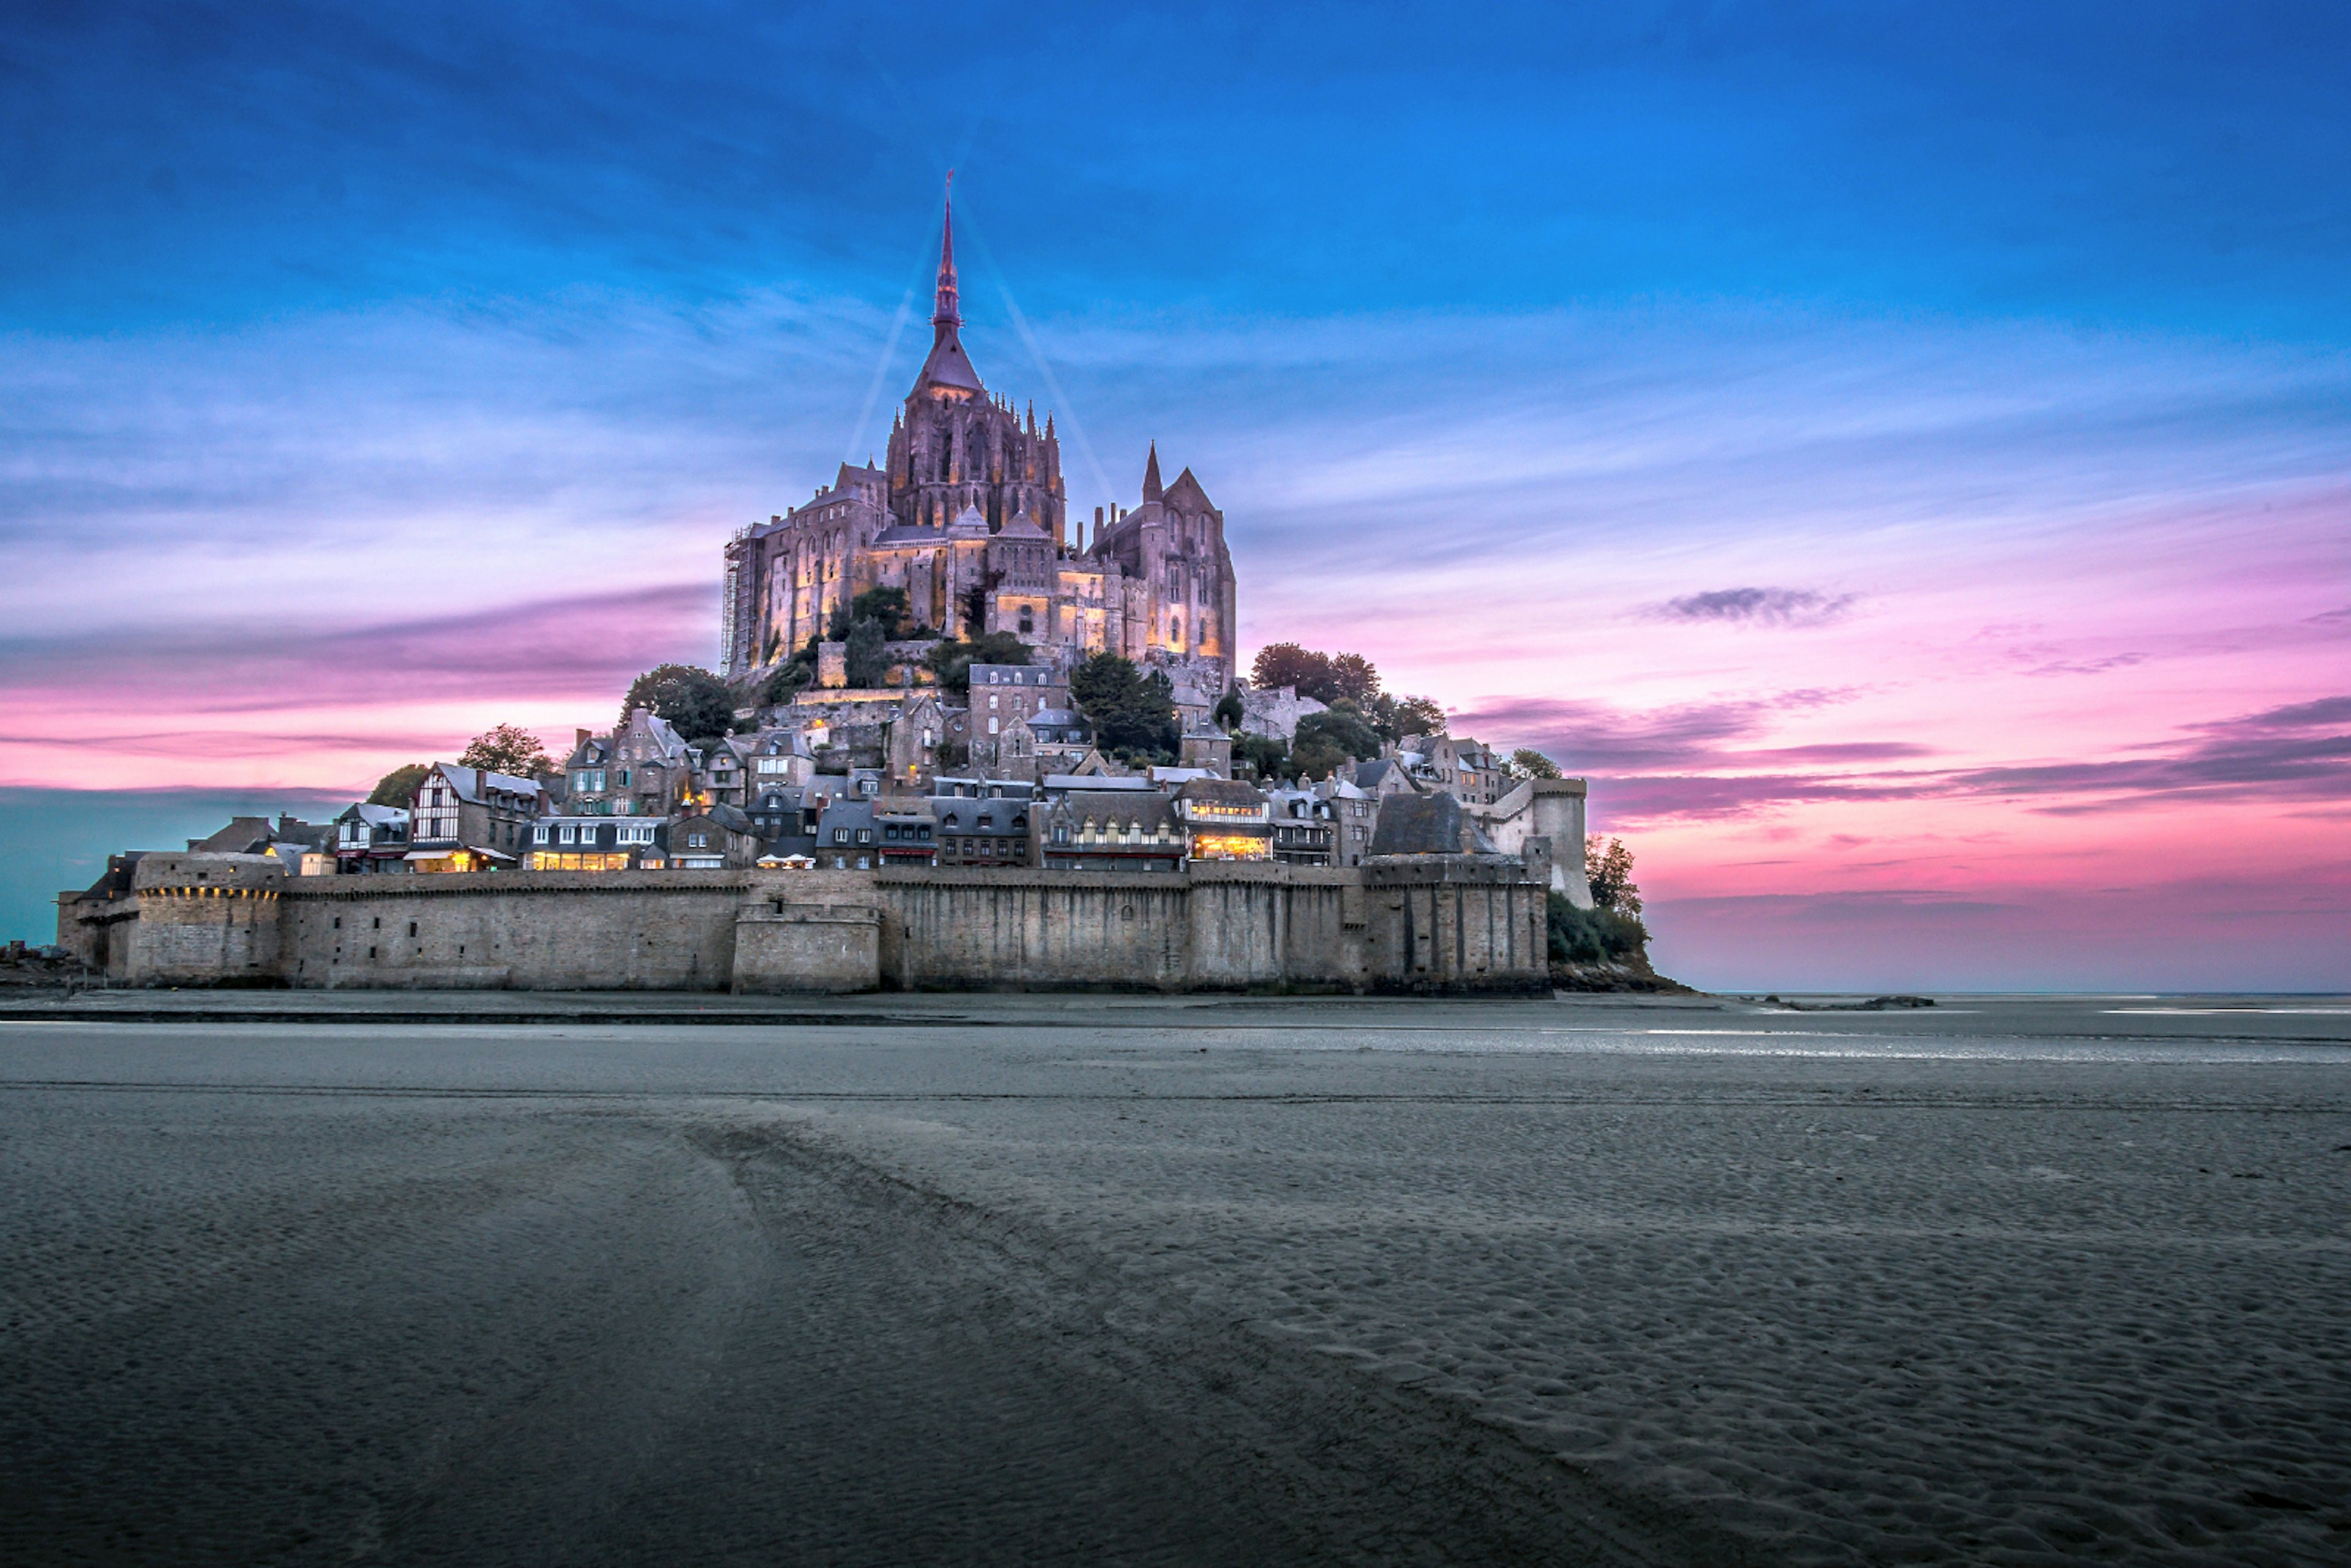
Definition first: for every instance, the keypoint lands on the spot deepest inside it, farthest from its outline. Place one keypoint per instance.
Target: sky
(1900, 455)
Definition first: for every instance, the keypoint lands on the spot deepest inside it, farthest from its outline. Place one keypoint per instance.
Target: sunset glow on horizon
(1919, 503)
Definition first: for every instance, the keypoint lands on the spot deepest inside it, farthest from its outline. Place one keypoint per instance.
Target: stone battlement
(1439, 923)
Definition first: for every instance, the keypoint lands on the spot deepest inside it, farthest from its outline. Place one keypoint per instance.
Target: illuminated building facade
(1225, 820)
(968, 516)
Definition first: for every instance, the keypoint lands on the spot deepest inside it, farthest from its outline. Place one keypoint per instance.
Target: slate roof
(1428, 825)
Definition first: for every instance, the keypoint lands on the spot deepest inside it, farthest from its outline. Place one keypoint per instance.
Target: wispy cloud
(1758, 607)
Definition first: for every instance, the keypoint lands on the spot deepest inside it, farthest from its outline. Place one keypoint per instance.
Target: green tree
(951, 661)
(1594, 935)
(1325, 677)
(1287, 665)
(1132, 713)
(1342, 727)
(1264, 756)
(693, 699)
(398, 787)
(1609, 869)
(789, 679)
(1527, 763)
(866, 659)
(1229, 712)
(1397, 717)
(1315, 757)
(1353, 678)
(508, 750)
(887, 605)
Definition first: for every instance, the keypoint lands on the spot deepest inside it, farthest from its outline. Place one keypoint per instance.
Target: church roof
(967, 523)
(948, 365)
(1023, 526)
(1187, 489)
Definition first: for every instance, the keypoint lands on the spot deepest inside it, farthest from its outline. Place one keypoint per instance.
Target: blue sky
(368, 376)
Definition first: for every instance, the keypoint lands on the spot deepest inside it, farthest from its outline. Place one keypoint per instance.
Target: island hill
(955, 743)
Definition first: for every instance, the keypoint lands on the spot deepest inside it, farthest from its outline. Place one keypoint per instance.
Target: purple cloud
(1792, 606)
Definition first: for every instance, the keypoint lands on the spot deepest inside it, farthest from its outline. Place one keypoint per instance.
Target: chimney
(581, 739)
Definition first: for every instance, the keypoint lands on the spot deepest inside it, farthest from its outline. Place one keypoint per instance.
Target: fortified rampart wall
(1420, 922)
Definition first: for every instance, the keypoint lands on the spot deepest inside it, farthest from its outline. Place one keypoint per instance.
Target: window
(864, 836)
(840, 835)
(566, 834)
(991, 720)
(697, 840)
(539, 834)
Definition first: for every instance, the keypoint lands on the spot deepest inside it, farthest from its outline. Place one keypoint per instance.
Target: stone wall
(1427, 923)
(1548, 808)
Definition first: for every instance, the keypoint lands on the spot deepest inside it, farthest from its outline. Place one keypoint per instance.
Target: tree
(1315, 757)
(1352, 677)
(1527, 763)
(1132, 713)
(1609, 870)
(1341, 726)
(1591, 936)
(398, 787)
(1229, 712)
(887, 605)
(1396, 717)
(1266, 756)
(790, 678)
(952, 660)
(507, 749)
(866, 659)
(693, 699)
(1287, 665)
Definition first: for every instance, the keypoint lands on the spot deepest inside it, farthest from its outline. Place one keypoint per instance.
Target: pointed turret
(1151, 487)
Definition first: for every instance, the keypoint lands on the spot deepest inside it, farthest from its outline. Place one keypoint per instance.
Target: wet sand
(1111, 1280)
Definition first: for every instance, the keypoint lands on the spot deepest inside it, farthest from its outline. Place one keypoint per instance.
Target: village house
(470, 818)
(1305, 826)
(992, 830)
(906, 830)
(1224, 819)
(714, 838)
(371, 839)
(1110, 831)
(846, 836)
(1353, 814)
(642, 769)
(598, 844)
(725, 773)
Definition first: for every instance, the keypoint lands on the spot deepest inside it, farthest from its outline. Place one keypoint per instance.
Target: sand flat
(2012, 1280)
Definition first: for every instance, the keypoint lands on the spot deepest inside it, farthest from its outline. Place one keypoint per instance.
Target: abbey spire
(948, 366)
(1151, 488)
(945, 316)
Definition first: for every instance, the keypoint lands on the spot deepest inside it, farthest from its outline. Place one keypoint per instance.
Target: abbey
(970, 517)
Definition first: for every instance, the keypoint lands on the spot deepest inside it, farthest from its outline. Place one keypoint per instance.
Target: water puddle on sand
(2218, 1012)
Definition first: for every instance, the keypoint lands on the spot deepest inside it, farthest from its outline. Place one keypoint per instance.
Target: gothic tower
(955, 445)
